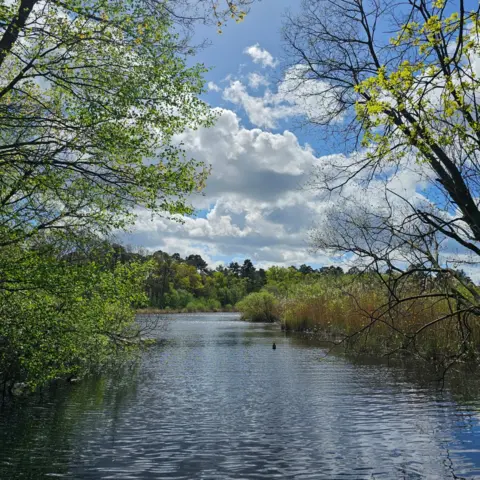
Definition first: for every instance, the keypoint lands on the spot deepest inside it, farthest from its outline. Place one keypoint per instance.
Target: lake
(215, 401)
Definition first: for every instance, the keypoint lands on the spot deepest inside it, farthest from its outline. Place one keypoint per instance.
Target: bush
(213, 304)
(259, 307)
(178, 298)
(70, 318)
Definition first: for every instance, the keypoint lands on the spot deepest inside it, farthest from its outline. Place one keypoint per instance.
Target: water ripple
(215, 402)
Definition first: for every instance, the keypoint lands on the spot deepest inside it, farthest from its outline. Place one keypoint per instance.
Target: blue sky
(244, 217)
(262, 25)
(226, 57)
(256, 204)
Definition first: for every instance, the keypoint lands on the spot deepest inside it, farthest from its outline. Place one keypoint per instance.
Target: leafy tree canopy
(91, 94)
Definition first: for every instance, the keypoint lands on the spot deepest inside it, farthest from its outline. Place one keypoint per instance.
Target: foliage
(92, 94)
(401, 89)
(179, 283)
(258, 307)
(67, 317)
(355, 310)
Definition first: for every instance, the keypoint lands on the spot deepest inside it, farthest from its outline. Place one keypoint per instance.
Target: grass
(354, 313)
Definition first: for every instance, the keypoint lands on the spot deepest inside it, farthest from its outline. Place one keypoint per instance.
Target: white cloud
(254, 198)
(255, 80)
(213, 87)
(296, 96)
(254, 205)
(261, 56)
(315, 99)
(262, 111)
(389, 202)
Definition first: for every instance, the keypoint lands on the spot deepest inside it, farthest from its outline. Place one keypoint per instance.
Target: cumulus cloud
(256, 80)
(386, 203)
(295, 96)
(254, 204)
(315, 99)
(213, 87)
(264, 111)
(261, 56)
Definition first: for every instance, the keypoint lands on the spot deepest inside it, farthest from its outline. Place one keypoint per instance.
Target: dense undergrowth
(66, 310)
(358, 312)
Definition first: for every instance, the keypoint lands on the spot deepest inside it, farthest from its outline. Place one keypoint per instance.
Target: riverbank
(358, 313)
(167, 311)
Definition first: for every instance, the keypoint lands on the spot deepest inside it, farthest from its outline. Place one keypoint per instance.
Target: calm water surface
(216, 402)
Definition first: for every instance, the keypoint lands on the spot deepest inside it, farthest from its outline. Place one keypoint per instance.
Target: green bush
(70, 317)
(259, 307)
(213, 304)
(178, 298)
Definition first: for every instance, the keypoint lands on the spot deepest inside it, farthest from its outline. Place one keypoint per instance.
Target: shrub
(213, 304)
(259, 307)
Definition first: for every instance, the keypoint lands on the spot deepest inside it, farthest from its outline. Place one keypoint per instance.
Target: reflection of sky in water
(216, 402)
(464, 444)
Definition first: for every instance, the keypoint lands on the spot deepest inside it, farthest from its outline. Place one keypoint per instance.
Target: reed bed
(358, 314)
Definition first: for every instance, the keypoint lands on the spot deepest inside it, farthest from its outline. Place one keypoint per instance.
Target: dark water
(216, 402)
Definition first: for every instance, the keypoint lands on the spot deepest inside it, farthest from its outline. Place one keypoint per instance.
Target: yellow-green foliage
(403, 97)
(356, 309)
(63, 317)
(259, 307)
(328, 304)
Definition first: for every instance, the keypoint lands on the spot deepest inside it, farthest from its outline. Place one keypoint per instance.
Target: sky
(256, 204)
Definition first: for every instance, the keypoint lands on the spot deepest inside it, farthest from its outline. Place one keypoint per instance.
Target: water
(216, 402)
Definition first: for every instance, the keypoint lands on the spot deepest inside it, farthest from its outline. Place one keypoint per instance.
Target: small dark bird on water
(274, 346)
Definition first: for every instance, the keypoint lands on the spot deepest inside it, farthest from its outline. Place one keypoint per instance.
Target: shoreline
(160, 311)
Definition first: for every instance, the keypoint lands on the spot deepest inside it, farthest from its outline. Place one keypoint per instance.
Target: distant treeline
(187, 283)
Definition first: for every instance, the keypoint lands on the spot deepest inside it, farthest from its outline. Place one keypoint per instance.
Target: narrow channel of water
(216, 402)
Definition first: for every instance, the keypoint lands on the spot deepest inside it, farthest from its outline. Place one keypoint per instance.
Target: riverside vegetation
(79, 305)
(402, 99)
(356, 309)
(91, 97)
(177, 284)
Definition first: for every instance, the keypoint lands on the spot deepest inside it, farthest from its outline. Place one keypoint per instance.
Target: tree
(402, 101)
(260, 278)
(234, 267)
(186, 13)
(221, 269)
(198, 262)
(305, 269)
(160, 278)
(91, 96)
(187, 278)
(247, 271)
(354, 271)
(68, 315)
(331, 270)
